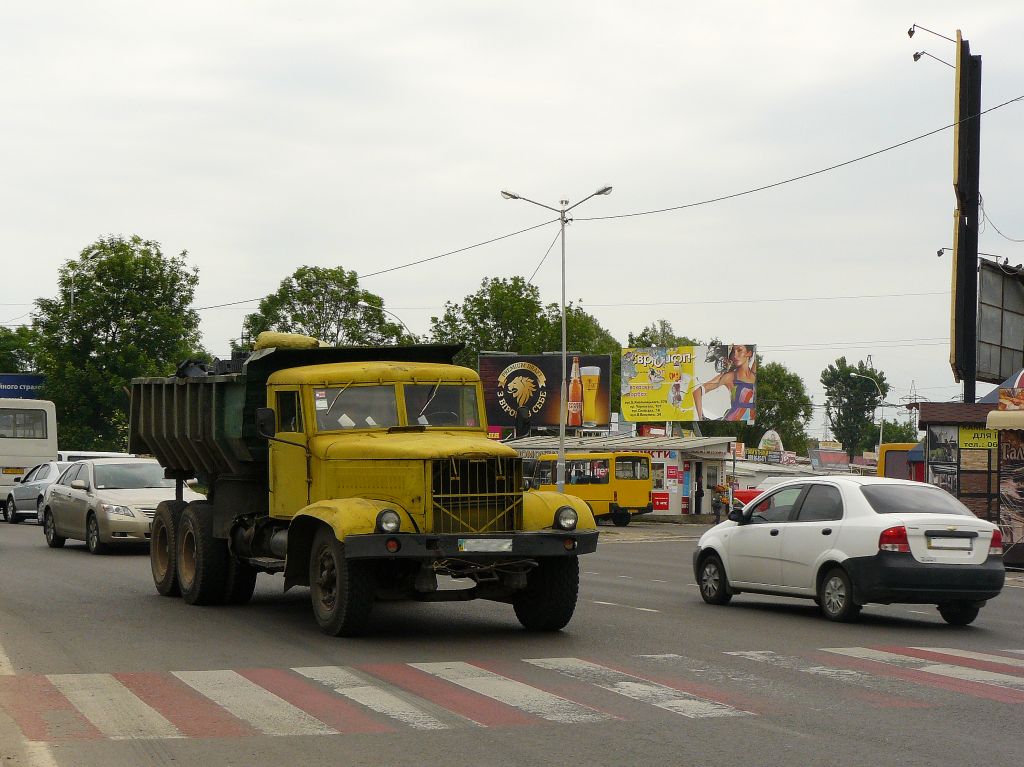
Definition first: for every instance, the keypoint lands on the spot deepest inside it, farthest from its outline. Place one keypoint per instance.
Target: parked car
(25, 496)
(82, 455)
(849, 541)
(106, 501)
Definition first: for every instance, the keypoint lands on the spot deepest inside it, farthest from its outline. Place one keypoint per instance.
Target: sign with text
(532, 383)
(978, 439)
(690, 383)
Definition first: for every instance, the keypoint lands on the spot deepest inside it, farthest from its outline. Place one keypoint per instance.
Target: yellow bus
(616, 486)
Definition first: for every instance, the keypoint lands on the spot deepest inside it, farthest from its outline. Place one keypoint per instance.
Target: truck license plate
(485, 544)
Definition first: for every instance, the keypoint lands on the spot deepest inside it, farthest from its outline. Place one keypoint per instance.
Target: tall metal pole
(563, 408)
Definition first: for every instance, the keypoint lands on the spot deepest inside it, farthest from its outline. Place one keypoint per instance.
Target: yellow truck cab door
(289, 466)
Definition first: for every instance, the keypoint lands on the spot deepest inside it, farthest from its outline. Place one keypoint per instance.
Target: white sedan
(848, 541)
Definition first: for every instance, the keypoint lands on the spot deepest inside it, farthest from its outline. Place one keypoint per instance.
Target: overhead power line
(769, 300)
(802, 176)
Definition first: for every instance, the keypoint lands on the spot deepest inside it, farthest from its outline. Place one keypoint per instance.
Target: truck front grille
(482, 495)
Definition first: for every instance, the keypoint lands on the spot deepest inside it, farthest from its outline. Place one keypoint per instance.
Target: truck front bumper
(547, 543)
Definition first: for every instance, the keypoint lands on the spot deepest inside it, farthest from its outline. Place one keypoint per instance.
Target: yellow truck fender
(345, 516)
(539, 507)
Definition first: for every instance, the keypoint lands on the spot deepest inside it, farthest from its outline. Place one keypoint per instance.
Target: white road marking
(930, 667)
(658, 580)
(590, 572)
(628, 607)
(627, 577)
(634, 687)
(6, 667)
(251, 703)
(918, 612)
(797, 664)
(1019, 662)
(112, 708)
(372, 696)
(1018, 652)
(39, 755)
(512, 693)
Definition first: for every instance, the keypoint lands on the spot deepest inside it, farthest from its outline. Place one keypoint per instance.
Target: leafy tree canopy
(17, 353)
(122, 310)
(659, 333)
(327, 304)
(850, 402)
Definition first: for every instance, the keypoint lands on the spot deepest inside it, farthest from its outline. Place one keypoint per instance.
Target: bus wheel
(620, 518)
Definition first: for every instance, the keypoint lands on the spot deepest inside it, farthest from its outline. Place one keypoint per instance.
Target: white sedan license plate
(485, 544)
(959, 544)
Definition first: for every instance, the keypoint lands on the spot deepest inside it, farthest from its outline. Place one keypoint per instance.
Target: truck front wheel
(202, 560)
(549, 599)
(341, 589)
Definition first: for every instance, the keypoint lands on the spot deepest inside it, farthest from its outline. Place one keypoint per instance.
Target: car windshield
(123, 476)
(441, 404)
(355, 407)
(913, 499)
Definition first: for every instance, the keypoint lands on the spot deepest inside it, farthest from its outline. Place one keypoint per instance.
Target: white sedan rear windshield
(913, 499)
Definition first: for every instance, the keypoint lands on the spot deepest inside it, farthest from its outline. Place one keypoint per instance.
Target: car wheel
(341, 589)
(163, 550)
(11, 512)
(202, 559)
(714, 588)
(3, 512)
(92, 536)
(53, 540)
(39, 511)
(549, 599)
(835, 596)
(959, 613)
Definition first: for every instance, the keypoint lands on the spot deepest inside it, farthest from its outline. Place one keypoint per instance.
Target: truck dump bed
(203, 425)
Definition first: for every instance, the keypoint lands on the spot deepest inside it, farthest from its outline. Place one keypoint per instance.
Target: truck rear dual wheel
(549, 599)
(163, 547)
(341, 589)
(201, 559)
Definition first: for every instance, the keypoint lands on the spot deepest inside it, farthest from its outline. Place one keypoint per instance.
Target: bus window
(545, 472)
(22, 424)
(587, 472)
(28, 436)
(632, 468)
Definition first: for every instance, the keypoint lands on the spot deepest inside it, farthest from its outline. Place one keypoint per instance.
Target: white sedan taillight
(894, 539)
(995, 548)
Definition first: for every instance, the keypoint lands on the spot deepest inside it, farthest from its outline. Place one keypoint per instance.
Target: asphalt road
(97, 669)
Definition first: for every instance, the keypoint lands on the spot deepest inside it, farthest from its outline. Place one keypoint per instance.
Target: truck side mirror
(266, 422)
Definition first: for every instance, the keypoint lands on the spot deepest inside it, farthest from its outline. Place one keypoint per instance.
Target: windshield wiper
(430, 398)
(340, 392)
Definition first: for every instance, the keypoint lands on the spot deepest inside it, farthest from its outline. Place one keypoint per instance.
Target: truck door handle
(775, 531)
(827, 531)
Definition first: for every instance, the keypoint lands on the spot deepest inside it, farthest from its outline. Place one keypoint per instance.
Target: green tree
(850, 403)
(896, 431)
(122, 310)
(503, 315)
(659, 333)
(327, 304)
(17, 353)
(782, 404)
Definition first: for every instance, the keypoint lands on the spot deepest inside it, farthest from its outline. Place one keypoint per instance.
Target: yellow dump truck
(362, 473)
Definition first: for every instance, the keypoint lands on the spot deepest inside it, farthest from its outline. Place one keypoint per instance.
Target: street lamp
(881, 413)
(919, 54)
(365, 305)
(564, 207)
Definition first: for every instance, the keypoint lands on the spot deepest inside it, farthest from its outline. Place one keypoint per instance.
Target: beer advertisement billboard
(690, 383)
(532, 383)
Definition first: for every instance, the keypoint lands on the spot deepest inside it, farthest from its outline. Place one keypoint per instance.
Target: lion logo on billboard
(522, 388)
(522, 385)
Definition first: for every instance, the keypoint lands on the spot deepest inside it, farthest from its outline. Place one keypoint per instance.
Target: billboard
(1000, 322)
(690, 383)
(532, 383)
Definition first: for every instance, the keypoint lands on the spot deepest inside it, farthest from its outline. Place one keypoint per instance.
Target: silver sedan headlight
(566, 518)
(113, 509)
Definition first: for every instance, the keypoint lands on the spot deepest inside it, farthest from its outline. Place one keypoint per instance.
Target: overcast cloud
(261, 136)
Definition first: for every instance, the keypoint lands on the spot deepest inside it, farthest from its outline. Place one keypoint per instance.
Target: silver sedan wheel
(835, 595)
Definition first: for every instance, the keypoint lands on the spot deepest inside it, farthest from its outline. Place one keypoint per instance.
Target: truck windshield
(441, 404)
(355, 407)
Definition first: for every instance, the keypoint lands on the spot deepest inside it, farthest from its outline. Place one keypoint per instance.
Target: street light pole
(563, 408)
(881, 413)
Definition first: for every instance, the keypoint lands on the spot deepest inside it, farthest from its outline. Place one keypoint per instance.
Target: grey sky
(262, 136)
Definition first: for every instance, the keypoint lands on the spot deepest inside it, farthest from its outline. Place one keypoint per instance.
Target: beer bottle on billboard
(575, 409)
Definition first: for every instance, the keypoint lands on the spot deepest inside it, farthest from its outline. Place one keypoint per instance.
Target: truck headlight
(122, 511)
(566, 518)
(388, 521)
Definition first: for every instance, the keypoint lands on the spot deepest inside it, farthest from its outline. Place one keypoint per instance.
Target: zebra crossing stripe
(639, 689)
(194, 715)
(253, 704)
(999, 663)
(42, 712)
(374, 697)
(522, 696)
(112, 708)
(975, 682)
